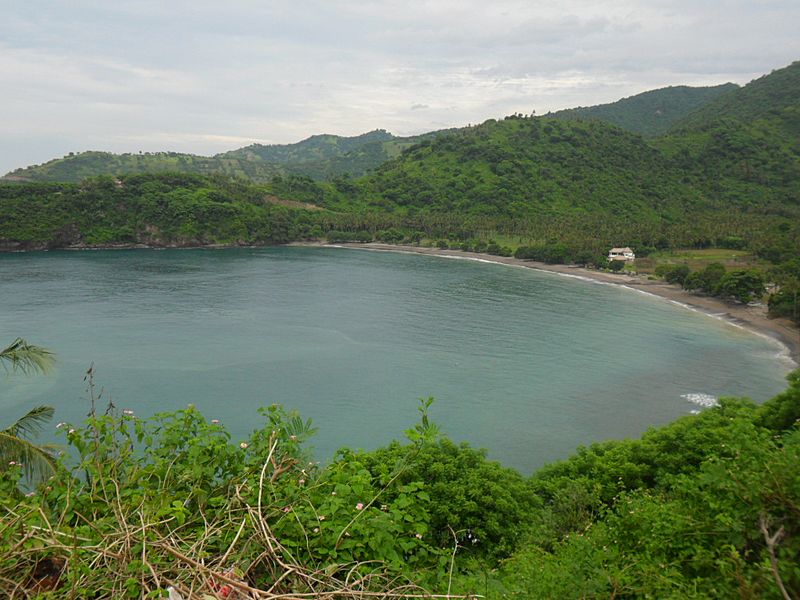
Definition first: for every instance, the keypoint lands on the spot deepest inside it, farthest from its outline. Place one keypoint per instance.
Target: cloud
(203, 77)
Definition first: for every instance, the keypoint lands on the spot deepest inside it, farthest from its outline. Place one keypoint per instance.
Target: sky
(206, 77)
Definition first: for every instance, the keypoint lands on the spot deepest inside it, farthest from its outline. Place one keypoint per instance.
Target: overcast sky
(205, 77)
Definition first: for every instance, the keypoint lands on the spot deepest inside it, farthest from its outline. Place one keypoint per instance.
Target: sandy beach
(752, 318)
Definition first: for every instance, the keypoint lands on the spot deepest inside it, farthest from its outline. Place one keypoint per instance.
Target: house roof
(620, 250)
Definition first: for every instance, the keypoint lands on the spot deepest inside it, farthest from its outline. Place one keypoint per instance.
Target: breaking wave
(704, 400)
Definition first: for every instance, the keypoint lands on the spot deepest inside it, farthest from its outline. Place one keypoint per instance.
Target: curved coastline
(751, 318)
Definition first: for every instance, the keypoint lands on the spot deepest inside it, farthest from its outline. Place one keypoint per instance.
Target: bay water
(526, 364)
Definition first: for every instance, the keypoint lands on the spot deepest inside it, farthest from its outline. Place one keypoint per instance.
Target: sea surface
(526, 364)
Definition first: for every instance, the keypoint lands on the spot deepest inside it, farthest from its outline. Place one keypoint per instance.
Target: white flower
(243, 445)
(12, 463)
(60, 425)
(71, 431)
(127, 412)
(214, 421)
(322, 517)
(418, 536)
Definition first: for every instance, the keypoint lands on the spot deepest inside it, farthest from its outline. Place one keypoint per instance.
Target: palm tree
(27, 358)
(15, 445)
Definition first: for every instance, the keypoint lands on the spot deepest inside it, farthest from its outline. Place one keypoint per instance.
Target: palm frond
(21, 355)
(37, 464)
(32, 423)
(296, 426)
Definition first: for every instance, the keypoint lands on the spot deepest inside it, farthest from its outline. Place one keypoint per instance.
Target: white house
(625, 254)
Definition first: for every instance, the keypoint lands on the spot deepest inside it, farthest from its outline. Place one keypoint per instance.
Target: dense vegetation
(742, 148)
(527, 167)
(319, 157)
(706, 507)
(76, 167)
(158, 210)
(323, 157)
(652, 113)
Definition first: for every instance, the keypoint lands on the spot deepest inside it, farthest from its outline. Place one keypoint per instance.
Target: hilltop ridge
(652, 113)
(325, 156)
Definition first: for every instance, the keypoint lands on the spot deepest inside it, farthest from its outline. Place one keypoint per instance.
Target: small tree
(616, 265)
(741, 285)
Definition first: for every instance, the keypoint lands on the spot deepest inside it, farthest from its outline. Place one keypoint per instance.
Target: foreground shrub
(173, 501)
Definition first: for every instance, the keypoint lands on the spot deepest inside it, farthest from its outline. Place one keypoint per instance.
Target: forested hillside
(742, 151)
(744, 148)
(652, 113)
(325, 156)
(76, 167)
(524, 166)
(730, 174)
(319, 157)
(158, 210)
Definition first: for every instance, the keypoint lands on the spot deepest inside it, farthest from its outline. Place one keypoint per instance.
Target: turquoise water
(526, 364)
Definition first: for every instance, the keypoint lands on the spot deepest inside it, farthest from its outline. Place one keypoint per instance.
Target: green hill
(77, 166)
(172, 209)
(522, 167)
(324, 156)
(730, 170)
(319, 157)
(758, 99)
(651, 113)
(744, 147)
(740, 151)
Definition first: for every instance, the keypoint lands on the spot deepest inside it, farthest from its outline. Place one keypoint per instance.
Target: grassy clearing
(698, 259)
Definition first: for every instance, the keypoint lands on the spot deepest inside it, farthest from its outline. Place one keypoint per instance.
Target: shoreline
(751, 318)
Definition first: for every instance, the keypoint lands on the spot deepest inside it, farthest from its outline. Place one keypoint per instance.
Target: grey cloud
(200, 76)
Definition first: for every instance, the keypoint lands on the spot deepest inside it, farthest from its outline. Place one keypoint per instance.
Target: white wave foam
(701, 399)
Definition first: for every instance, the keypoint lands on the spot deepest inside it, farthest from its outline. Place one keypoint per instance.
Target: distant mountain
(744, 147)
(761, 98)
(324, 156)
(739, 147)
(319, 157)
(651, 113)
(77, 166)
(739, 151)
(728, 171)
